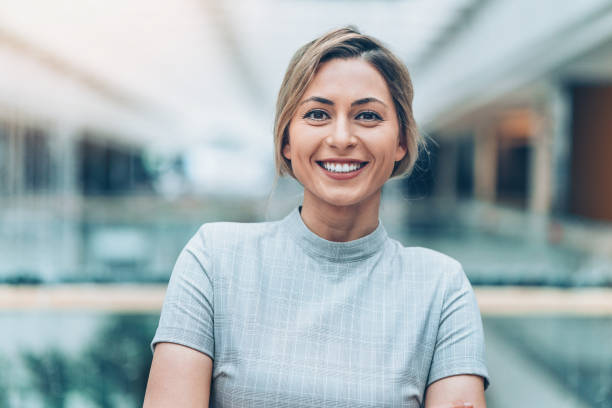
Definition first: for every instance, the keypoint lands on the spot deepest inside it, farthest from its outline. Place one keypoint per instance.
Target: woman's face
(344, 136)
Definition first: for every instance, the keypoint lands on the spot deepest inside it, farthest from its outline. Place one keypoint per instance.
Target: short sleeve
(187, 313)
(459, 347)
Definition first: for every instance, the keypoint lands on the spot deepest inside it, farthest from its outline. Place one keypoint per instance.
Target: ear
(287, 151)
(400, 152)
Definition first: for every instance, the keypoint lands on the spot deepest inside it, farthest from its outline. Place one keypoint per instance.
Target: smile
(336, 167)
(342, 170)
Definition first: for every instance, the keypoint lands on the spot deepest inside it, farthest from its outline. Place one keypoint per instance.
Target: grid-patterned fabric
(293, 320)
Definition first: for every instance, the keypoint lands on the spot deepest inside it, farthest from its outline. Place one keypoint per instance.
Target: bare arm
(456, 391)
(180, 377)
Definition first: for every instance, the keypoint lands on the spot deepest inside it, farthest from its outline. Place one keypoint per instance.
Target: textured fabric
(293, 320)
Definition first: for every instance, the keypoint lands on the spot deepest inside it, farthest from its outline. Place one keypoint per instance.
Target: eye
(316, 114)
(368, 116)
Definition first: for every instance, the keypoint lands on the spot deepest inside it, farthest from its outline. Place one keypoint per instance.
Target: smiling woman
(322, 308)
(343, 142)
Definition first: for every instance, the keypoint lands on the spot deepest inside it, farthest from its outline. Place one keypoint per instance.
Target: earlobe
(400, 152)
(287, 151)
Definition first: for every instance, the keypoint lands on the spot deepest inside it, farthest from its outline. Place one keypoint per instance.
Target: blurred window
(38, 166)
(465, 168)
(421, 182)
(512, 171)
(4, 159)
(107, 168)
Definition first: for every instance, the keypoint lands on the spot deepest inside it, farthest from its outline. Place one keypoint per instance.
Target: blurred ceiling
(170, 73)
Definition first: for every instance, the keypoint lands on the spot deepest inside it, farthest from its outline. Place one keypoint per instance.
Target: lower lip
(343, 176)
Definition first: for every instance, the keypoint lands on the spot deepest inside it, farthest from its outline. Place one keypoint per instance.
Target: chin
(344, 200)
(343, 197)
(343, 203)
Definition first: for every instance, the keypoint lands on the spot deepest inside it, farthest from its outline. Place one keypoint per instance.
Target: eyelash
(309, 114)
(376, 115)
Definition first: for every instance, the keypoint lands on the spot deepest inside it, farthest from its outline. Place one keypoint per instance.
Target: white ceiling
(595, 65)
(171, 73)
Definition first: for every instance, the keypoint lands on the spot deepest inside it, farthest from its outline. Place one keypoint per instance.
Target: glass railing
(93, 359)
(61, 350)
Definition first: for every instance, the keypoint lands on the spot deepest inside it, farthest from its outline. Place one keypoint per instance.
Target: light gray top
(293, 320)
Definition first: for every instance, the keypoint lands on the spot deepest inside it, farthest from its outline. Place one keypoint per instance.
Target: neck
(340, 223)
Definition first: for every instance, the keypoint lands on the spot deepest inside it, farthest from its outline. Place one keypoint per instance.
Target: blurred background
(125, 125)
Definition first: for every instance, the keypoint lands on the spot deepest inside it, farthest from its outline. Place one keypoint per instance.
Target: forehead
(351, 78)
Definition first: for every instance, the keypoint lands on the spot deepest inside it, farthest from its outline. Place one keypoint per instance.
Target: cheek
(384, 144)
(302, 141)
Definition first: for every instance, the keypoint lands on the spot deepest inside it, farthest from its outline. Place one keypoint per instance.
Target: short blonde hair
(346, 43)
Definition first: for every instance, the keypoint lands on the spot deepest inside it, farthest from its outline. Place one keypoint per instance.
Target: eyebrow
(363, 101)
(326, 101)
(318, 99)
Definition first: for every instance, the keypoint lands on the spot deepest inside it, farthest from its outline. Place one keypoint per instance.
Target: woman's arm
(456, 391)
(180, 377)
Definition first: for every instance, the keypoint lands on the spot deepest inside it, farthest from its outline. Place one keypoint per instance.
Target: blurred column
(541, 165)
(17, 174)
(69, 199)
(445, 186)
(16, 167)
(560, 102)
(485, 162)
(4, 160)
(13, 217)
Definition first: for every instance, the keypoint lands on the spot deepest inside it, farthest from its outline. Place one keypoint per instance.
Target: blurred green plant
(50, 373)
(4, 386)
(116, 365)
(111, 371)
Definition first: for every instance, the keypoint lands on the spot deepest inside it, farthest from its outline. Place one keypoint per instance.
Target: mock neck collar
(316, 246)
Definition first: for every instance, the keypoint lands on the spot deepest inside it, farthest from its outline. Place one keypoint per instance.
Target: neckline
(350, 251)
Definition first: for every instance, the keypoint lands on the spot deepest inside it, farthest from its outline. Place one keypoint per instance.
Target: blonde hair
(346, 43)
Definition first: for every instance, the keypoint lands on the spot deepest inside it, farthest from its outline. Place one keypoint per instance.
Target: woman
(322, 308)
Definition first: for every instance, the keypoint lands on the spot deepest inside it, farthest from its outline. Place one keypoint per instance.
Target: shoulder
(220, 236)
(436, 273)
(428, 261)
(216, 247)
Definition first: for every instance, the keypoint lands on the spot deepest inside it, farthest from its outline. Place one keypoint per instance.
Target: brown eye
(369, 116)
(316, 114)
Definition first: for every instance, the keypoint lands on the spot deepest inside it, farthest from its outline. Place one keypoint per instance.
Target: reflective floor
(549, 361)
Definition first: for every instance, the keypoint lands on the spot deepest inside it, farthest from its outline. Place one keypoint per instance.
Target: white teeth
(341, 167)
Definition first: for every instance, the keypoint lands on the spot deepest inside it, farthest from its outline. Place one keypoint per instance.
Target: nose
(341, 136)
